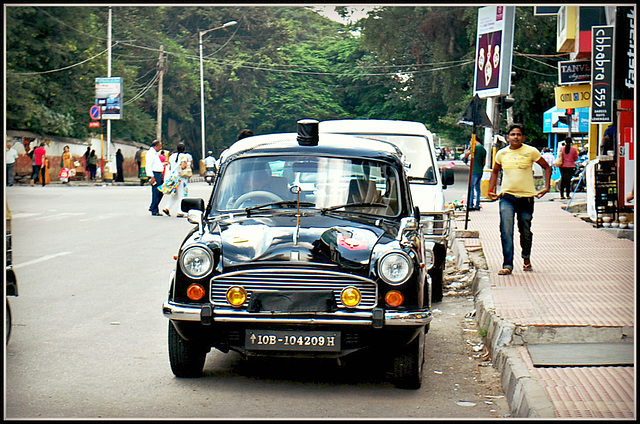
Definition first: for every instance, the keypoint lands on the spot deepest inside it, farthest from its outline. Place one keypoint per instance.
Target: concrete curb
(526, 397)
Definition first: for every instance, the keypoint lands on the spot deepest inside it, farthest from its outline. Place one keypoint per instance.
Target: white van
(426, 181)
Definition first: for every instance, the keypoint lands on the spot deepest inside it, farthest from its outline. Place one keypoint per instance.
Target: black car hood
(319, 239)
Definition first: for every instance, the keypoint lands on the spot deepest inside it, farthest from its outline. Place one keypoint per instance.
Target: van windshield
(416, 152)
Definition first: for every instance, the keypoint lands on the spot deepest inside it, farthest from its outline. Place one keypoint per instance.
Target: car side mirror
(447, 177)
(192, 203)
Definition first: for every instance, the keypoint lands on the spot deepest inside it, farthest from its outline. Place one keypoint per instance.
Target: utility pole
(160, 83)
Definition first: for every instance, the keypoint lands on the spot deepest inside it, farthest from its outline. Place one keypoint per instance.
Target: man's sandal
(527, 267)
(504, 271)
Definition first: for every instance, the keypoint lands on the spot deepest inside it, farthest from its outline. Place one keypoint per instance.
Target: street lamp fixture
(200, 34)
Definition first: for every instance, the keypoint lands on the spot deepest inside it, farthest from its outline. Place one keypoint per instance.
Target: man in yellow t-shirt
(517, 194)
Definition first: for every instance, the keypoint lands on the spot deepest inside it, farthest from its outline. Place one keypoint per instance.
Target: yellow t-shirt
(517, 170)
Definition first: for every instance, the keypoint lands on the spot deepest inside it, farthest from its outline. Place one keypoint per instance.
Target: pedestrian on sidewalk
(10, 156)
(153, 169)
(39, 154)
(517, 194)
(569, 156)
(138, 158)
(548, 156)
(119, 166)
(92, 163)
(479, 157)
(175, 184)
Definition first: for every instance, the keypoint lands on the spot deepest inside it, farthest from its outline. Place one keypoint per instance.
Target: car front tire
(408, 364)
(186, 357)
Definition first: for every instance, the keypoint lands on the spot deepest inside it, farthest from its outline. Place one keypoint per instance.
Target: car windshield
(365, 186)
(416, 151)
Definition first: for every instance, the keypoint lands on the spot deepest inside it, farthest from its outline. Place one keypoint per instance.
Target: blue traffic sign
(95, 112)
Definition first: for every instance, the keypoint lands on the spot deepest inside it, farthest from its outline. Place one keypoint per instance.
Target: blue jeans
(475, 191)
(511, 206)
(156, 195)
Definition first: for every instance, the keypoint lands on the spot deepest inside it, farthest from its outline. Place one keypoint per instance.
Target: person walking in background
(176, 183)
(548, 156)
(138, 158)
(163, 158)
(92, 161)
(568, 167)
(479, 158)
(10, 157)
(65, 165)
(39, 154)
(119, 166)
(153, 169)
(85, 158)
(517, 194)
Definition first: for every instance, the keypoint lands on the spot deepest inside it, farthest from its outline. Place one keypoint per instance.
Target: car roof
(328, 144)
(373, 126)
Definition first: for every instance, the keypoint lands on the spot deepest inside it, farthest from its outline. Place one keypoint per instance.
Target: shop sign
(625, 84)
(602, 75)
(573, 96)
(574, 72)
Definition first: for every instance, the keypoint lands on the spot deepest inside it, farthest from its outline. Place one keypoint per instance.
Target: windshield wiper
(351, 205)
(281, 203)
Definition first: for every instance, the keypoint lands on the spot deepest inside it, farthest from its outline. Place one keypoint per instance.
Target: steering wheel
(258, 194)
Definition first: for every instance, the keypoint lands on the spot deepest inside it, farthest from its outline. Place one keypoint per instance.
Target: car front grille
(276, 279)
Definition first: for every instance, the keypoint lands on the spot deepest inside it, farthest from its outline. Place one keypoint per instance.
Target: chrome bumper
(181, 312)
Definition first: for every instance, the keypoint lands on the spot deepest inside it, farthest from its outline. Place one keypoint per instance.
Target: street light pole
(200, 34)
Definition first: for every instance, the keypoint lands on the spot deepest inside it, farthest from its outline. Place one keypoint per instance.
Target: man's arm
(493, 181)
(547, 177)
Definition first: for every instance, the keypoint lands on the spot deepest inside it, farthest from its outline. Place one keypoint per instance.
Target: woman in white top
(176, 185)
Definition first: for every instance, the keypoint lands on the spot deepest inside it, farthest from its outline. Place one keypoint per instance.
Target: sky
(357, 12)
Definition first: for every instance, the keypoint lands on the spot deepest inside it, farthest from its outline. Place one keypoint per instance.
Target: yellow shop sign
(573, 96)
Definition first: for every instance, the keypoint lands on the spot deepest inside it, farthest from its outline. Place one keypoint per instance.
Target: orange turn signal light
(394, 298)
(195, 292)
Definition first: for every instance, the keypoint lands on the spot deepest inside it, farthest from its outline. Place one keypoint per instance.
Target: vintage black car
(309, 246)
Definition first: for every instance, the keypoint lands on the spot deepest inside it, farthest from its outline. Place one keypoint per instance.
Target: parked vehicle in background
(12, 282)
(309, 246)
(426, 181)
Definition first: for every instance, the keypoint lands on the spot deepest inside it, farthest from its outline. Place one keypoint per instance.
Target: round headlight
(196, 261)
(428, 258)
(395, 268)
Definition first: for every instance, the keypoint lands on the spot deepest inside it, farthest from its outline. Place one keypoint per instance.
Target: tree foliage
(277, 65)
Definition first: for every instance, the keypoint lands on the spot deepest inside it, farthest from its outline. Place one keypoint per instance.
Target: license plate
(301, 341)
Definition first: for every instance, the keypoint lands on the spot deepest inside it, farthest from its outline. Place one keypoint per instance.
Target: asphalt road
(89, 339)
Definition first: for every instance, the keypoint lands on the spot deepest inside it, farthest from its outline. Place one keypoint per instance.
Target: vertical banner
(494, 50)
(602, 75)
(109, 97)
(625, 54)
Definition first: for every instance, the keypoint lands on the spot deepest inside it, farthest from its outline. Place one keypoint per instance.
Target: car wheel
(437, 291)
(186, 357)
(8, 321)
(408, 364)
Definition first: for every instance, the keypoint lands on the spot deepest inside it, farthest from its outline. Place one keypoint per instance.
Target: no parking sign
(95, 112)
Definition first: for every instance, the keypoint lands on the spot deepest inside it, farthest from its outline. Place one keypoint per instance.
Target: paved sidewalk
(581, 290)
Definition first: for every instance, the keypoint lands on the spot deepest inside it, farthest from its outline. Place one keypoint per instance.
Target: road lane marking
(24, 215)
(40, 259)
(59, 216)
